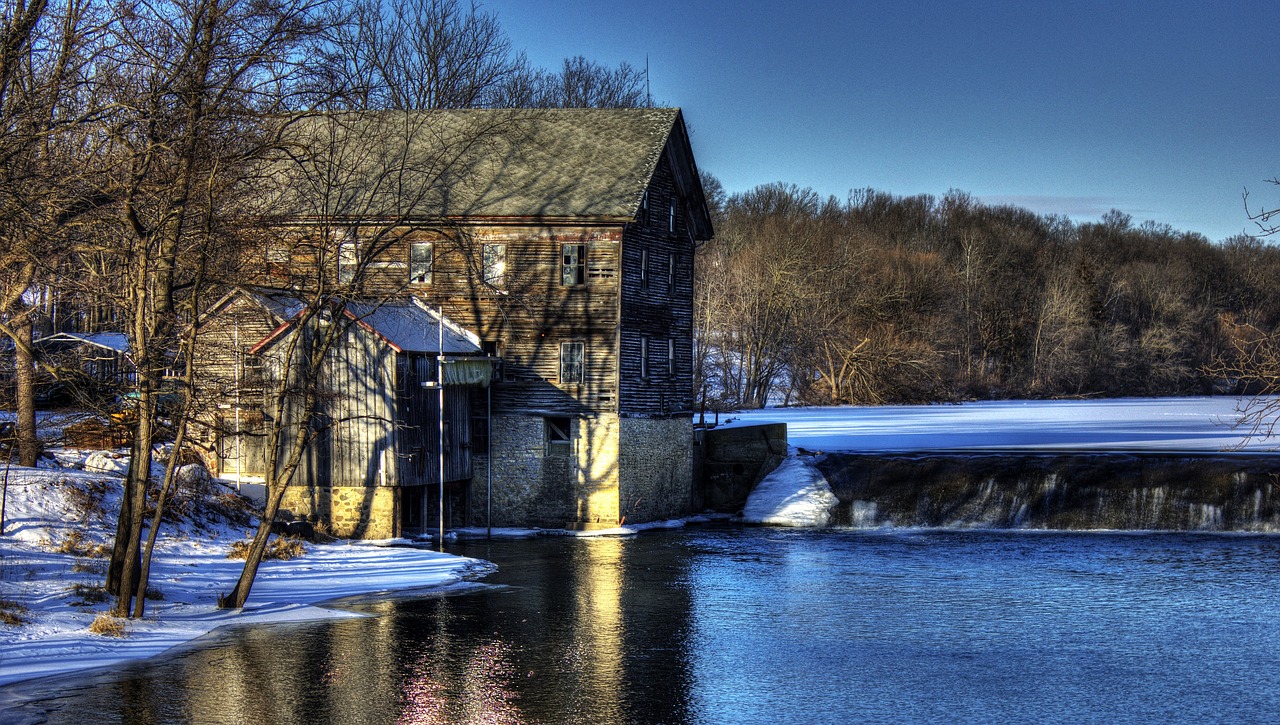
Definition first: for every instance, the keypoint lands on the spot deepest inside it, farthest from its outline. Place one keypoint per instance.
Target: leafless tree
(46, 52)
(196, 85)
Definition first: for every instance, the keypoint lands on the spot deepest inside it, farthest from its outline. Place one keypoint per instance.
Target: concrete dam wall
(1066, 491)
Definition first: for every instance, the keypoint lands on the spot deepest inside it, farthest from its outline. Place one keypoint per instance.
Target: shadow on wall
(731, 461)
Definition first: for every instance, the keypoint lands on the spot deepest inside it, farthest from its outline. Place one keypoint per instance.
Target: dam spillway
(1061, 491)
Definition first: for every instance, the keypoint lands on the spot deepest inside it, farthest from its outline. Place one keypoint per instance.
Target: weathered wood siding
(417, 429)
(223, 341)
(657, 304)
(533, 312)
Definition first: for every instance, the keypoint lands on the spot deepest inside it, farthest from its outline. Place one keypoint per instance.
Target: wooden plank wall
(662, 311)
(418, 425)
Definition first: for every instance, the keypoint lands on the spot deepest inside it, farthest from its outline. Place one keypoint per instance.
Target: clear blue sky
(1164, 110)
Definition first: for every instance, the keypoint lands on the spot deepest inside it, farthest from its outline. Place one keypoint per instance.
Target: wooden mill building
(561, 244)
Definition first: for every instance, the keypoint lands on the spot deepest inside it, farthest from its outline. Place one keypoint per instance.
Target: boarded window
(573, 264)
(572, 361)
(495, 264)
(559, 442)
(420, 262)
(644, 357)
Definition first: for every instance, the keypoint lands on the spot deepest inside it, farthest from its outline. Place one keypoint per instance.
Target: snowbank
(59, 594)
(795, 494)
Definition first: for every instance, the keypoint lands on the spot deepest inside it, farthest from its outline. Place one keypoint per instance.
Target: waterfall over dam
(1062, 491)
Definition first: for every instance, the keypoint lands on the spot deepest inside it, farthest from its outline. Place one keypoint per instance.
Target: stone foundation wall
(348, 512)
(620, 469)
(530, 488)
(656, 463)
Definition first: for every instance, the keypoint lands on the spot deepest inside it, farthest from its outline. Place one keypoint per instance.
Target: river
(723, 624)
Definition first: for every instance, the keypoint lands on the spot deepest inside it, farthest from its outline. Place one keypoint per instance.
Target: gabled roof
(486, 163)
(412, 327)
(113, 341)
(406, 326)
(279, 306)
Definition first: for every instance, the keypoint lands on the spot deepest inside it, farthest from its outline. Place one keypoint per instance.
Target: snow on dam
(1178, 464)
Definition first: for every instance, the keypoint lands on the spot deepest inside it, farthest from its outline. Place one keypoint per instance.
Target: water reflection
(730, 625)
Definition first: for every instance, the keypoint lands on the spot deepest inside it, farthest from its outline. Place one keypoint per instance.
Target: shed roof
(411, 327)
(544, 163)
(114, 341)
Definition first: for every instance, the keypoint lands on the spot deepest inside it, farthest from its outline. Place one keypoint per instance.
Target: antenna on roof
(648, 99)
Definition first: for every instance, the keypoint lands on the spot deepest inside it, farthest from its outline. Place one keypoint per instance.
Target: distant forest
(887, 299)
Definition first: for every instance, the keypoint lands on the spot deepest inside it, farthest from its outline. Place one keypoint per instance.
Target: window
(671, 223)
(643, 217)
(277, 253)
(558, 441)
(348, 260)
(671, 357)
(644, 269)
(573, 264)
(495, 264)
(572, 356)
(420, 262)
(644, 357)
(493, 348)
(251, 371)
(479, 436)
(671, 272)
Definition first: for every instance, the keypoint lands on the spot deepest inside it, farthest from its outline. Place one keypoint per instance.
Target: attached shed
(375, 461)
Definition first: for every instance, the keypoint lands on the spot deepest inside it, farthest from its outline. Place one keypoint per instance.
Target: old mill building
(559, 246)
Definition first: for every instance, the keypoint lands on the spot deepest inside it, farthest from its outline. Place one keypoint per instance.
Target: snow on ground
(794, 494)
(1130, 424)
(59, 594)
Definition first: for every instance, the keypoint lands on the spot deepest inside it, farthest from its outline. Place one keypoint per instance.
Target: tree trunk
(24, 377)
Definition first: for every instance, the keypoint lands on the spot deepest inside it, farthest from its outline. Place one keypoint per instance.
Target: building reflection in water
(570, 631)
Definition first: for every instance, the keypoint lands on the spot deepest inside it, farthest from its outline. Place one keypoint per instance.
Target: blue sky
(1164, 110)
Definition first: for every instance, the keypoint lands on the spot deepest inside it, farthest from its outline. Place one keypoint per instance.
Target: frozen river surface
(1126, 424)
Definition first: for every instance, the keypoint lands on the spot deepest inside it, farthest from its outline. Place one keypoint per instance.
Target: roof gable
(544, 163)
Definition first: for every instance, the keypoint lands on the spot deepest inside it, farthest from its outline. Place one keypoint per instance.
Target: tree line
(879, 298)
(135, 140)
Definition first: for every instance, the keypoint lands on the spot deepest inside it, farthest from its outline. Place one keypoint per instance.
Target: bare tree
(45, 102)
(195, 85)
(419, 54)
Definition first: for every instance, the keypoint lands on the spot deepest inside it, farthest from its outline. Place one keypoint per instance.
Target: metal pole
(440, 384)
(488, 455)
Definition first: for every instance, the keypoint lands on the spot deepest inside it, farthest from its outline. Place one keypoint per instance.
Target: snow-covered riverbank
(58, 595)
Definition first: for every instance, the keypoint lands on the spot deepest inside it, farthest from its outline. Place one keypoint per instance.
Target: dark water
(727, 625)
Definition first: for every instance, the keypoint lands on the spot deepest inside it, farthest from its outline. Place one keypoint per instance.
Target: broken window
(420, 262)
(495, 264)
(573, 264)
(348, 260)
(572, 362)
(559, 442)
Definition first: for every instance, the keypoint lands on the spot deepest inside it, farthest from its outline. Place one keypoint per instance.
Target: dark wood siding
(418, 425)
(661, 310)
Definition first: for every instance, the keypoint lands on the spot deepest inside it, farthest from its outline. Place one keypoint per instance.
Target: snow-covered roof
(412, 327)
(116, 341)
